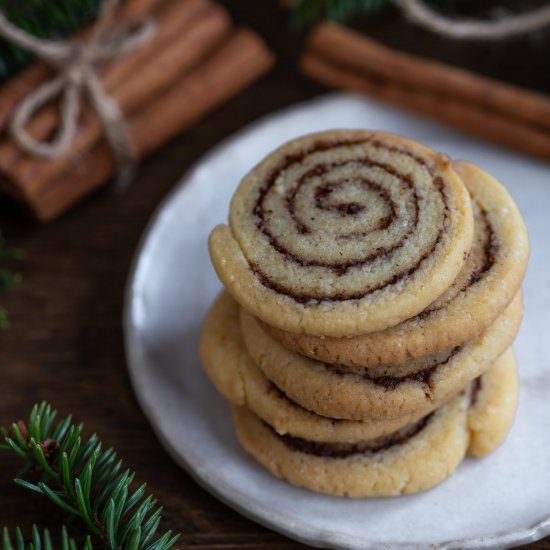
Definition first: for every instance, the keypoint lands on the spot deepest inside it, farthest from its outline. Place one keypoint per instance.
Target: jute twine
(513, 25)
(76, 64)
(76, 79)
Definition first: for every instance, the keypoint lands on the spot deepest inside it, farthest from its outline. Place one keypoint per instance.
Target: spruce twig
(40, 541)
(7, 280)
(42, 18)
(307, 12)
(87, 482)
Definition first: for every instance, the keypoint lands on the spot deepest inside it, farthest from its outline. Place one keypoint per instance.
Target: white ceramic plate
(498, 502)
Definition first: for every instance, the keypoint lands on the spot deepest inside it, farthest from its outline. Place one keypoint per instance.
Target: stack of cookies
(372, 296)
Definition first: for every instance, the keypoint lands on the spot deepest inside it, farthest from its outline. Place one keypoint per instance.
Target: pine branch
(7, 280)
(42, 18)
(87, 482)
(40, 541)
(307, 12)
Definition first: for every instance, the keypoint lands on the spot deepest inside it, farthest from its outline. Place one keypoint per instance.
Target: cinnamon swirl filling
(345, 450)
(339, 207)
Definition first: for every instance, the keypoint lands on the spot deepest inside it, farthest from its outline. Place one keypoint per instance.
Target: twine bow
(76, 64)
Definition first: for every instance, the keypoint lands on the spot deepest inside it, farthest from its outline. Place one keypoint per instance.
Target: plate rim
(231, 497)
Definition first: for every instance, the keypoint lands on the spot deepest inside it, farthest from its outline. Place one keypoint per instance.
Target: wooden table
(65, 344)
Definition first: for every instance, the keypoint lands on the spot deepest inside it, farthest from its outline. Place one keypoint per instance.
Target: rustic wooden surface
(65, 344)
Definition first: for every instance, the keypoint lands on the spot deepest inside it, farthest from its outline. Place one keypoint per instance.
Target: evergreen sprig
(307, 12)
(86, 481)
(7, 279)
(42, 18)
(40, 541)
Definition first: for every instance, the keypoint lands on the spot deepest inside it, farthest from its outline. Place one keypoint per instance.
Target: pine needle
(85, 481)
(307, 12)
(42, 18)
(7, 279)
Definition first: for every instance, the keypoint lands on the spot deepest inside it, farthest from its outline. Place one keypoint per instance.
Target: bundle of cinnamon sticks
(195, 61)
(499, 112)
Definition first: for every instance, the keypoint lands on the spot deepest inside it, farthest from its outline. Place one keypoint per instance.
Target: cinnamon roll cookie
(415, 387)
(493, 405)
(411, 459)
(344, 232)
(236, 377)
(486, 285)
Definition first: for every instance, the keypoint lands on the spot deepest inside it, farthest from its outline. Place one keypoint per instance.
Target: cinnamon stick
(476, 120)
(185, 32)
(357, 52)
(236, 63)
(15, 89)
(173, 18)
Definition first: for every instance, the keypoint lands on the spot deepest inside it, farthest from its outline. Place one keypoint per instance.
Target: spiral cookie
(407, 462)
(415, 387)
(345, 232)
(411, 459)
(236, 377)
(493, 406)
(487, 283)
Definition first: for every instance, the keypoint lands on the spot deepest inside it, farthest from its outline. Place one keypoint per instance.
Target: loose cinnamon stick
(234, 65)
(462, 115)
(20, 85)
(356, 52)
(200, 26)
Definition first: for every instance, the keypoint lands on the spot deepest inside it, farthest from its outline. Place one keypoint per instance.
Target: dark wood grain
(65, 344)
